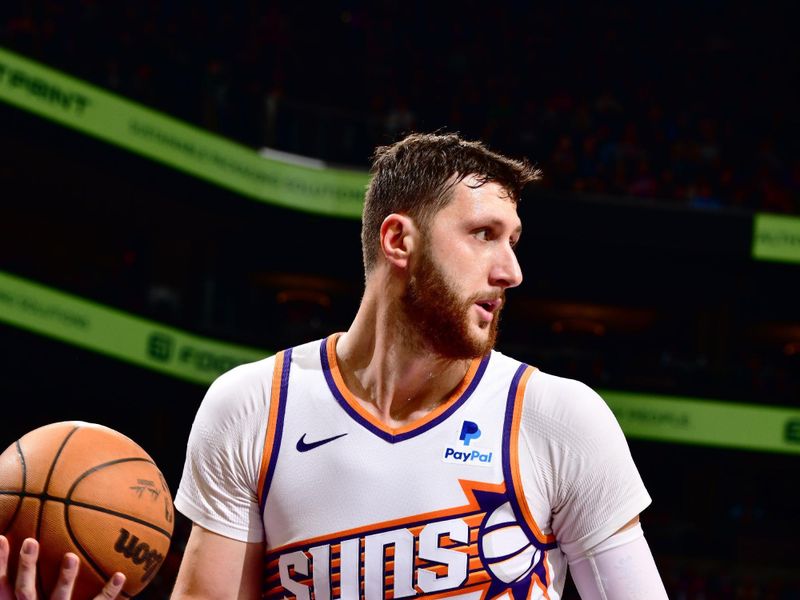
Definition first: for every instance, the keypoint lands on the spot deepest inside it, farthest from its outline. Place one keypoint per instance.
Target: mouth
(488, 307)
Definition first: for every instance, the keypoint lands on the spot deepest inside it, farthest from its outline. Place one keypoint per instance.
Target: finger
(112, 588)
(66, 577)
(5, 552)
(25, 587)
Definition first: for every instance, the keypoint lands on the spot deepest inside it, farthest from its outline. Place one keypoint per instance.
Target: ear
(398, 239)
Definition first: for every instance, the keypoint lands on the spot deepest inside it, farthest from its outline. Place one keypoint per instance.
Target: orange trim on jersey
(472, 506)
(272, 420)
(543, 585)
(517, 478)
(478, 580)
(477, 583)
(514, 460)
(356, 405)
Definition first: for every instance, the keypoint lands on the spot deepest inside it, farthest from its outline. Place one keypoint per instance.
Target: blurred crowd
(688, 102)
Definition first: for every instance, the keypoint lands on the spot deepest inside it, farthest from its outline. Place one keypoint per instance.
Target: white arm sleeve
(620, 568)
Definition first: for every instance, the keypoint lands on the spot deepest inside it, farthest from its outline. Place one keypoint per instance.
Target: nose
(506, 272)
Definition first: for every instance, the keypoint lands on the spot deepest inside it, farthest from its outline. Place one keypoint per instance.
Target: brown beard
(438, 318)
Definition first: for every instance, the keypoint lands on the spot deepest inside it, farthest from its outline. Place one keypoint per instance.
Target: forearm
(620, 568)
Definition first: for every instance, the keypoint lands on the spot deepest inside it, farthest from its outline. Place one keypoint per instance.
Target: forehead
(488, 202)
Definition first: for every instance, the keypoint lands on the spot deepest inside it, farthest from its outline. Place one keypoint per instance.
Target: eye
(482, 235)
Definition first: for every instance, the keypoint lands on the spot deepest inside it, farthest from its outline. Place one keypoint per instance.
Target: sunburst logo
(508, 554)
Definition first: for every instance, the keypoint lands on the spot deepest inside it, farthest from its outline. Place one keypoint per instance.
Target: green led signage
(776, 238)
(106, 116)
(118, 334)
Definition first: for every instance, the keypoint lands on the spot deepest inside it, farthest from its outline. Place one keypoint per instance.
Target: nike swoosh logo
(303, 446)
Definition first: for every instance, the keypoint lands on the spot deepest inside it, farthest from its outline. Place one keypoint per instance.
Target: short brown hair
(416, 175)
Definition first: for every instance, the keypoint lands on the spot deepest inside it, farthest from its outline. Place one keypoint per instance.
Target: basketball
(85, 488)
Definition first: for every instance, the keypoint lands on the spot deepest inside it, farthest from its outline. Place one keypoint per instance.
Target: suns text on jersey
(424, 556)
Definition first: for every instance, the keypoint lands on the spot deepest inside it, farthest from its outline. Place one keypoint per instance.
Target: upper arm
(215, 567)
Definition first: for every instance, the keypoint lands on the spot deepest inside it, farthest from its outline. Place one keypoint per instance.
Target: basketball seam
(49, 476)
(102, 509)
(22, 492)
(69, 502)
(39, 582)
(113, 513)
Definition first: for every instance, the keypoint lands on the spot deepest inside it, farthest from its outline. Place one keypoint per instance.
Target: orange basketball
(88, 489)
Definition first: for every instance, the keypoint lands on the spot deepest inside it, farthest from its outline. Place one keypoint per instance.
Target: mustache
(493, 296)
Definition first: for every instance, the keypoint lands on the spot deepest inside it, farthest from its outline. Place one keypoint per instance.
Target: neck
(393, 374)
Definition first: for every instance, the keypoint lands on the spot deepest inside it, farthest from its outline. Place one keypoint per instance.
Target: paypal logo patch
(472, 455)
(469, 431)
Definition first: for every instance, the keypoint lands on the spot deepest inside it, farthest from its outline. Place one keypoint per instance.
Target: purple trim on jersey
(390, 437)
(507, 475)
(287, 363)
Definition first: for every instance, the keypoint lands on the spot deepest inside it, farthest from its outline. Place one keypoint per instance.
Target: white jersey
(487, 495)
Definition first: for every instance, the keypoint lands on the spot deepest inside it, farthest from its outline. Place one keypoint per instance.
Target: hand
(25, 585)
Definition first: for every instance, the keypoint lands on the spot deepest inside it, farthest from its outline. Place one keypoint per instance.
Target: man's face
(461, 270)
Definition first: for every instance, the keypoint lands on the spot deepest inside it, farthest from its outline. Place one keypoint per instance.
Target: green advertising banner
(111, 118)
(706, 422)
(776, 238)
(89, 325)
(152, 345)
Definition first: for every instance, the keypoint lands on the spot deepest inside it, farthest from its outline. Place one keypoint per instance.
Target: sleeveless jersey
(454, 505)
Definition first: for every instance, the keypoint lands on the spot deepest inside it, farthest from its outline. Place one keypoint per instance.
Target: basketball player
(405, 457)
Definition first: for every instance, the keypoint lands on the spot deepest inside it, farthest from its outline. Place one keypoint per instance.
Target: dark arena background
(180, 186)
